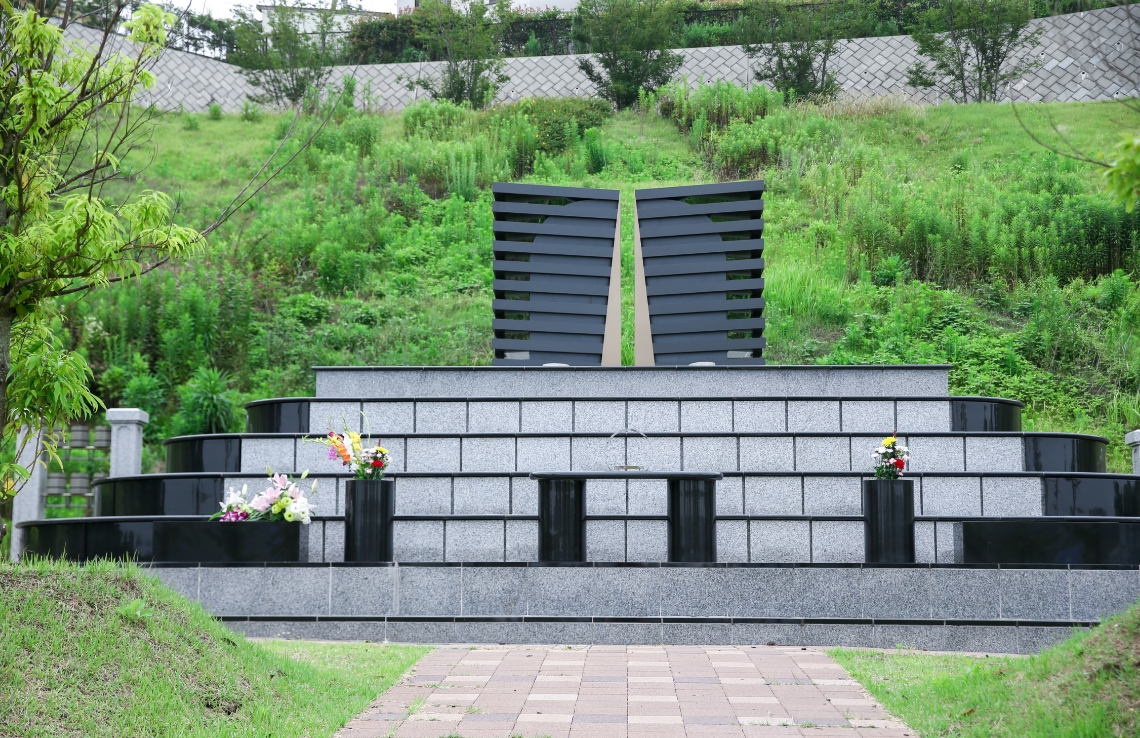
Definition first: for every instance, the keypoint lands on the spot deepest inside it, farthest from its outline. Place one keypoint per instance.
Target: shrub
(215, 111)
(438, 120)
(208, 404)
(551, 117)
(250, 112)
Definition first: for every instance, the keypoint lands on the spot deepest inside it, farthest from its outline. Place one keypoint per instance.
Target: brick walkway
(620, 691)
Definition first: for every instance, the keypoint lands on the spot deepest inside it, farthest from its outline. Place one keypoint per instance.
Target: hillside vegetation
(105, 650)
(1087, 686)
(894, 234)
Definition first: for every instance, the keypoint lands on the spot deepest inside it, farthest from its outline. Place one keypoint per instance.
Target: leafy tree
(464, 36)
(208, 404)
(1123, 175)
(382, 40)
(289, 59)
(630, 41)
(795, 46)
(971, 48)
(57, 235)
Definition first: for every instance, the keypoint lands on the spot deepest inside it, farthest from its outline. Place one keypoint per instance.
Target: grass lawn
(1087, 686)
(105, 650)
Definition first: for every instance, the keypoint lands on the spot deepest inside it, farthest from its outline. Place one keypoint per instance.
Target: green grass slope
(1086, 687)
(102, 650)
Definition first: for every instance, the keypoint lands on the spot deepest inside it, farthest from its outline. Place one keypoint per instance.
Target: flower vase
(369, 505)
(888, 521)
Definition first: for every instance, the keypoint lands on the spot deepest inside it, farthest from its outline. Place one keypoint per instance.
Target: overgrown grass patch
(1086, 687)
(106, 650)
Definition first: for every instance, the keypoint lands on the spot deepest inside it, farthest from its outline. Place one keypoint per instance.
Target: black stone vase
(888, 521)
(692, 520)
(562, 520)
(369, 505)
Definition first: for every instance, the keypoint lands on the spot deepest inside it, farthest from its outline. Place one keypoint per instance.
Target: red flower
(377, 462)
(899, 463)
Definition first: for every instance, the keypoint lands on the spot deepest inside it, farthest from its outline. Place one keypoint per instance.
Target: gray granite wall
(1078, 52)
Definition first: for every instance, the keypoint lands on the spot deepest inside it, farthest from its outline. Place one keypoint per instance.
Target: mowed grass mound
(106, 650)
(1086, 687)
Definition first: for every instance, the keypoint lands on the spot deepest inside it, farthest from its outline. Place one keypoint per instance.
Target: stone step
(665, 381)
(736, 451)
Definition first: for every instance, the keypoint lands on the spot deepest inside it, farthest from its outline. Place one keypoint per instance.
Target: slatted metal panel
(700, 274)
(557, 272)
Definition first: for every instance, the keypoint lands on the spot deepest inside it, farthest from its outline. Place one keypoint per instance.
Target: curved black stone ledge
(280, 415)
(1051, 541)
(170, 538)
(985, 414)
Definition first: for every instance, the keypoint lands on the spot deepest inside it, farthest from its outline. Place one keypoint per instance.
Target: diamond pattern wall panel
(1083, 56)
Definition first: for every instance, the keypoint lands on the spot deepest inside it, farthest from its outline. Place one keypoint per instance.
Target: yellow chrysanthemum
(381, 449)
(888, 442)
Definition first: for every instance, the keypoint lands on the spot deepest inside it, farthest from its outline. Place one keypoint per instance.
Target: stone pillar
(1133, 440)
(29, 503)
(126, 440)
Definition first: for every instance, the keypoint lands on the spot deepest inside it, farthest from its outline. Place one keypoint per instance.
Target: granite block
(474, 540)
(599, 417)
(995, 454)
(648, 496)
(654, 416)
(828, 593)
(300, 591)
(233, 590)
(647, 540)
(522, 540)
(730, 496)
(845, 636)
(494, 591)
(696, 634)
(833, 496)
(362, 591)
(619, 591)
(184, 581)
(1011, 496)
(761, 634)
(276, 453)
(767, 453)
(760, 416)
(1032, 640)
(952, 496)
(423, 495)
(558, 633)
(337, 497)
(373, 631)
(935, 454)
(811, 416)
(823, 453)
(441, 417)
(390, 418)
(1035, 594)
(836, 541)
(914, 637)
(433, 455)
(981, 638)
(489, 454)
(547, 417)
(924, 552)
(596, 454)
(560, 590)
(417, 540)
(923, 416)
(482, 495)
(312, 542)
(421, 632)
(948, 543)
(626, 634)
(524, 496)
(868, 416)
(694, 592)
(1100, 594)
(605, 497)
(773, 495)
(780, 541)
(863, 452)
(893, 593)
(510, 632)
(605, 540)
(429, 591)
(708, 453)
(706, 416)
(732, 540)
(493, 417)
(334, 540)
(543, 453)
(762, 592)
(656, 454)
(335, 416)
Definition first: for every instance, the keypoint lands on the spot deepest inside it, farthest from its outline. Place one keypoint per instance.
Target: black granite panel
(1048, 541)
